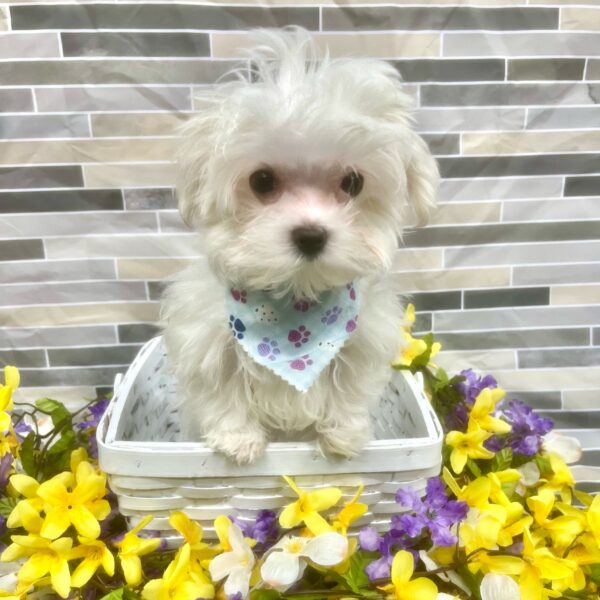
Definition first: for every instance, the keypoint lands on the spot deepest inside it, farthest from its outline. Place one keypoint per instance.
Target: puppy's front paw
(343, 441)
(242, 445)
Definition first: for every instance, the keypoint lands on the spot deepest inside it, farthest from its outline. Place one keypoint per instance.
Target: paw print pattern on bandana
(303, 305)
(331, 315)
(351, 291)
(301, 363)
(237, 327)
(239, 295)
(351, 324)
(299, 336)
(268, 348)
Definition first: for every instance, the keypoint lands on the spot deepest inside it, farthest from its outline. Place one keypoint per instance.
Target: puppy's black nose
(310, 239)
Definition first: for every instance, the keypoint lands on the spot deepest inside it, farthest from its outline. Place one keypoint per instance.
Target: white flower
(530, 475)
(499, 587)
(443, 596)
(236, 565)
(568, 448)
(286, 562)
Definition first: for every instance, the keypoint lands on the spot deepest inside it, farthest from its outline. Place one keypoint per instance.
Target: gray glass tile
(77, 335)
(17, 100)
(451, 70)
(434, 300)
(93, 99)
(57, 270)
(550, 69)
(150, 199)
(61, 72)
(502, 233)
(55, 201)
(440, 144)
(137, 332)
(497, 94)
(21, 249)
(582, 186)
(507, 297)
(84, 357)
(568, 273)
(575, 419)
(15, 178)
(43, 126)
(23, 359)
(576, 357)
(172, 16)
(526, 164)
(70, 377)
(560, 117)
(523, 338)
(538, 400)
(71, 293)
(444, 18)
(110, 43)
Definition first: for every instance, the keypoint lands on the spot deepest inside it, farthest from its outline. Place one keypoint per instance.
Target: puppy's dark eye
(353, 183)
(263, 182)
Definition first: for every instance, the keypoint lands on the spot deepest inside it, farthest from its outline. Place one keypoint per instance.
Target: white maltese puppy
(300, 176)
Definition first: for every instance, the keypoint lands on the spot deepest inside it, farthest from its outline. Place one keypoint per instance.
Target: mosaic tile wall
(507, 275)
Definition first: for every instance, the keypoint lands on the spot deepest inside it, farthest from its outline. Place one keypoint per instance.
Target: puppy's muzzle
(310, 240)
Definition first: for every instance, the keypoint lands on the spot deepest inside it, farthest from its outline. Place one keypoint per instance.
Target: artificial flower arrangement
(503, 521)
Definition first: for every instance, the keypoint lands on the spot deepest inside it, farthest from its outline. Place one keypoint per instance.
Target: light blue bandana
(293, 337)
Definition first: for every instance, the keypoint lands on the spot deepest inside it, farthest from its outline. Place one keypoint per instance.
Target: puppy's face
(304, 184)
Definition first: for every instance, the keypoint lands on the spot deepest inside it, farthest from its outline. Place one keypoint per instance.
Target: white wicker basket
(153, 472)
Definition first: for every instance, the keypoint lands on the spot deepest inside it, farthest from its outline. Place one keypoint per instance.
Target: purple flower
(435, 512)
(387, 545)
(472, 385)
(495, 443)
(264, 529)
(527, 428)
(5, 468)
(96, 411)
(22, 430)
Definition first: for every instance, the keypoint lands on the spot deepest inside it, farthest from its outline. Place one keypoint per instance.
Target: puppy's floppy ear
(422, 178)
(195, 154)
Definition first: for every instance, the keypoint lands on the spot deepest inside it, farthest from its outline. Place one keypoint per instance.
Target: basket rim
(138, 452)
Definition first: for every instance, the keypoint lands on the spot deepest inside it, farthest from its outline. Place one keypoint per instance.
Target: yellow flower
(481, 413)
(409, 315)
(178, 582)
(45, 557)
(131, 547)
(192, 534)
(476, 493)
(11, 383)
(541, 505)
(412, 348)
(593, 518)
(94, 554)
(403, 568)
(307, 508)
(352, 511)
(562, 480)
(541, 564)
(27, 512)
(81, 507)
(19, 593)
(465, 446)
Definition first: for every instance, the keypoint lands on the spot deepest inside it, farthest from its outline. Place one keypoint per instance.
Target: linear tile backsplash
(507, 94)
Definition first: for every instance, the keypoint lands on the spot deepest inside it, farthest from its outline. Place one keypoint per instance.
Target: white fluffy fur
(311, 120)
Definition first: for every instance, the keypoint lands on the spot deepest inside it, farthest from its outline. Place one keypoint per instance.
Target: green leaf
(6, 506)
(356, 576)
(56, 459)
(27, 455)
(59, 414)
(121, 594)
(502, 460)
(543, 465)
(472, 466)
(595, 572)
